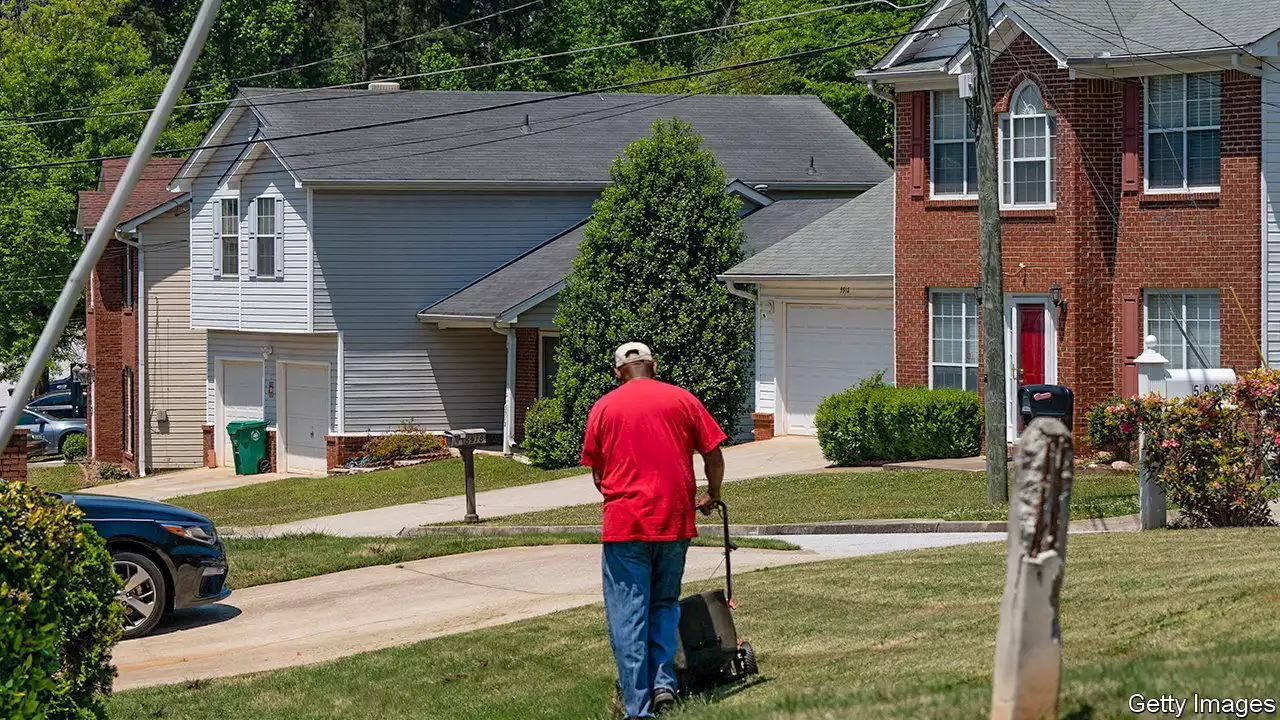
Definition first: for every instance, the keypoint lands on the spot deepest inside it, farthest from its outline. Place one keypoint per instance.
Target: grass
(259, 561)
(903, 635)
(825, 497)
(300, 498)
(57, 478)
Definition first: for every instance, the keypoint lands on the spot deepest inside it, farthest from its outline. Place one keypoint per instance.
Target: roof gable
(151, 191)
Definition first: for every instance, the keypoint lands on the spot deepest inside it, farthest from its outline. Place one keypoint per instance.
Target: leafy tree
(646, 270)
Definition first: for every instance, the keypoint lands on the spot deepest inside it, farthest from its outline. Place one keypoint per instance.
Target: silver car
(47, 434)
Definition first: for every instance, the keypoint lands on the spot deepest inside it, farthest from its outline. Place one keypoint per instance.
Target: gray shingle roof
(767, 139)
(494, 295)
(1096, 29)
(853, 239)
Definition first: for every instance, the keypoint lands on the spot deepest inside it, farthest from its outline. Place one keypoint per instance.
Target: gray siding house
(336, 236)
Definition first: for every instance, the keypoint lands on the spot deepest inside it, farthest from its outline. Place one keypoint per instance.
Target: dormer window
(1028, 152)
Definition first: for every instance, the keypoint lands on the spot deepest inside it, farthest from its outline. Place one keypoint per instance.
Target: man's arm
(597, 476)
(713, 464)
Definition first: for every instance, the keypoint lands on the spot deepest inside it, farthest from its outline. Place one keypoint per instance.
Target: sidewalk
(779, 456)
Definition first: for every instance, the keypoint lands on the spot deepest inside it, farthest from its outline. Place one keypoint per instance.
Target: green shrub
(1104, 430)
(408, 441)
(548, 441)
(109, 472)
(878, 422)
(74, 447)
(58, 613)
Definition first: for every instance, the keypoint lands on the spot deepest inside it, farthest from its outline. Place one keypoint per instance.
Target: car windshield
(30, 418)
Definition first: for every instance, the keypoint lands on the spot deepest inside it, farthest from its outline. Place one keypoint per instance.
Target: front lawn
(903, 635)
(822, 497)
(300, 498)
(259, 561)
(57, 478)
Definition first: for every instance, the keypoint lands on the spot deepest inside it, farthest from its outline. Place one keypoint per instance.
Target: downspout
(142, 421)
(733, 289)
(888, 97)
(509, 400)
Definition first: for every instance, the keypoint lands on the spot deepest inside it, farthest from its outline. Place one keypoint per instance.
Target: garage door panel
(306, 417)
(830, 348)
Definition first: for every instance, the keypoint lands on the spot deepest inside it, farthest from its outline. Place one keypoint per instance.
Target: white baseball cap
(631, 352)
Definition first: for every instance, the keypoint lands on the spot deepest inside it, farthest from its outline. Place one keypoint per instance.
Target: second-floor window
(954, 163)
(1028, 151)
(1183, 131)
(267, 231)
(229, 220)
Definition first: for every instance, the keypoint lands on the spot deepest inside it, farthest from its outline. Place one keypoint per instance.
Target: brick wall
(341, 448)
(13, 461)
(527, 375)
(111, 346)
(1158, 243)
(210, 453)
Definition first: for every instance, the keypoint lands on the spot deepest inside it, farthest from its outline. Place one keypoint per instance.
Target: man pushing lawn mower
(640, 440)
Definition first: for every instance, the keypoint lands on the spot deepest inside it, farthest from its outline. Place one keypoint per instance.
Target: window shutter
(217, 237)
(1131, 137)
(279, 237)
(919, 106)
(1131, 342)
(252, 234)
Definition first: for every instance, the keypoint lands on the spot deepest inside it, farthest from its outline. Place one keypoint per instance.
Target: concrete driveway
(322, 618)
(184, 482)
(779, 456)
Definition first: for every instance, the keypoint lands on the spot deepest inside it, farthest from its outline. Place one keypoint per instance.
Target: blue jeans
(642, 604)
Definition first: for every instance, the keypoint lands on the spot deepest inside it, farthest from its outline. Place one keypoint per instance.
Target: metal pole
(106, 227)
(469, 467)
(993, 352)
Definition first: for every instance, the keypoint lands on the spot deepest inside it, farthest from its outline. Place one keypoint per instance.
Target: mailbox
(473, 437)
(1056, 401)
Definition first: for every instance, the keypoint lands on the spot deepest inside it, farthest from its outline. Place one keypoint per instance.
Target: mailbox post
(466, 442)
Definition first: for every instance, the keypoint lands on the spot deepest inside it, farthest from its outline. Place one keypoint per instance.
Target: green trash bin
(249, 446)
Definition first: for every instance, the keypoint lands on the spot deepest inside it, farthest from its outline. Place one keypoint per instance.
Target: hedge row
(878, 422)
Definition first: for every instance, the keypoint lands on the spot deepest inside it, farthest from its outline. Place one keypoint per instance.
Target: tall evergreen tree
(646, 271)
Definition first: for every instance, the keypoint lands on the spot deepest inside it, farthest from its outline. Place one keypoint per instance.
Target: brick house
(1131, 183)
(121, 304)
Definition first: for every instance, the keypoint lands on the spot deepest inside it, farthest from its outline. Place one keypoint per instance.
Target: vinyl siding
(285, 347)
(541, 315)
(175, 352)
(242, 302)
(386, 255)
(1271, 210)
(766, 384)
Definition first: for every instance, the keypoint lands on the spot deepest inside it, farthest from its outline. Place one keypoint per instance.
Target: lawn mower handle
(729, 546)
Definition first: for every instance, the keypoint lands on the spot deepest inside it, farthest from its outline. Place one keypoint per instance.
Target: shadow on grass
(711, 696)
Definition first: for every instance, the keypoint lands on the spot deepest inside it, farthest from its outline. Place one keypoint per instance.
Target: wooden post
(1028, 666)
(993, 352)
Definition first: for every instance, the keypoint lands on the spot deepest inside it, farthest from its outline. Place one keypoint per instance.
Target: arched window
(1028, 151)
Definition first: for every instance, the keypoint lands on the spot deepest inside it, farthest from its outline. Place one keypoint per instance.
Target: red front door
(1030, 344)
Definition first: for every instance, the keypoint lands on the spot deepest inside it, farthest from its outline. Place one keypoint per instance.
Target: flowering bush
(1104, 430)
(1215, 452)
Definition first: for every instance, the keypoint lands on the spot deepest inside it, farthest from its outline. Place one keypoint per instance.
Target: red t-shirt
(642, 437)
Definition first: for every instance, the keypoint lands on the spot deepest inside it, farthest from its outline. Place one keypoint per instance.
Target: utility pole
(993, 352)
(106, 227)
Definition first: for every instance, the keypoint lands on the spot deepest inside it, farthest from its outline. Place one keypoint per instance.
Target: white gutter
(1238, 65)
(733, 289)
(871, 88)
(509, 399)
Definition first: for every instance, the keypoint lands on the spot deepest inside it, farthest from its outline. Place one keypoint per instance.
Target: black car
(169, 558)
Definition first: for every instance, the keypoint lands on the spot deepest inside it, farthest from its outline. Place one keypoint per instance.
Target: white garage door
(306, 417)
(829, 349)
(239, 398)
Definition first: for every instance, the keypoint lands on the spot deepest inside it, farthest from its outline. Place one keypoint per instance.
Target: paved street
(779, 456)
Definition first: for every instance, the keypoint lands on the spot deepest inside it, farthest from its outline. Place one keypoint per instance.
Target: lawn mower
(708, 652)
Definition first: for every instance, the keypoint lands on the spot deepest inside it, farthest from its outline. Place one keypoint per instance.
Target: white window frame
(256, 238)
(970, 146)
(964, 366)
(1149, 293)
(1186, 130)
(219, 254)
(542, 370)
(1050, 159)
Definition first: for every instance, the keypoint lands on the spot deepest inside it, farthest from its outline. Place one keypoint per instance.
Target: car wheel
(143, 595)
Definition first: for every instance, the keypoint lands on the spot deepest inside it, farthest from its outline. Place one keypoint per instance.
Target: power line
(472, 111)
(1204, 25)
(488, 65)
(270, 73)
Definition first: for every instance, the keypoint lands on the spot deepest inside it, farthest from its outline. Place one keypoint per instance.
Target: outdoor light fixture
(1055, 294)
(977, 293)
